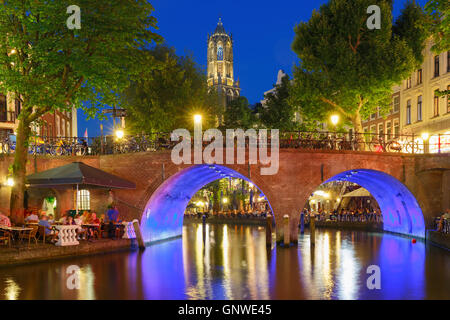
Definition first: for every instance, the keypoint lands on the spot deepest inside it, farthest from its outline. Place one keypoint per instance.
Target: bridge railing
(337, 141)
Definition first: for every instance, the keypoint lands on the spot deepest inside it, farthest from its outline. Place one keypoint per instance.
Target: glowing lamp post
(120, 134)
(425, 137)
(9, 182)
(198, 139)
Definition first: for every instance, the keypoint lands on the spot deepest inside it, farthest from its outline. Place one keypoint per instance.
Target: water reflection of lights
(12, 289)
(87, 280)
(226, 263)
(349, 270)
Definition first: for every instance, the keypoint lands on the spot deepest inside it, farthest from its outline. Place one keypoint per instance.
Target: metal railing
(379, 143)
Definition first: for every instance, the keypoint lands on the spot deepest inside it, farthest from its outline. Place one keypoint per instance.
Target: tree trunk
(357, 126)
(19, 172)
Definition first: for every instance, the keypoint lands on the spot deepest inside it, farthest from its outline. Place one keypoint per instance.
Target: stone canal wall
(43, 252)
(439, 239)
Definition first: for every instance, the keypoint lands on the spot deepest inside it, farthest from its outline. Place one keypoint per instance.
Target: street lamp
(120, 134)
(335, 119)
(10, 182)
(197, 119)
(225, 200)
(425, 136)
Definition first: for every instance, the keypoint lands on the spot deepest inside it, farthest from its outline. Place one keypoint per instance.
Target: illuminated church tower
(220, 64)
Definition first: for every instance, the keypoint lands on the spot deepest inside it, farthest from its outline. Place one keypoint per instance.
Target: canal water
(232, 262)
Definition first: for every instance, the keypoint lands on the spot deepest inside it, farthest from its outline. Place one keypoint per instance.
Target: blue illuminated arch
(163, 215)
(400, 210)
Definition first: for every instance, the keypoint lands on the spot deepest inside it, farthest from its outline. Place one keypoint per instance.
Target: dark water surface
(232, 262)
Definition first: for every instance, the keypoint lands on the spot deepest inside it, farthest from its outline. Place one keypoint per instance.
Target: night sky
(262, 30)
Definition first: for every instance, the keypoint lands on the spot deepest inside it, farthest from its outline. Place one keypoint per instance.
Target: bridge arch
(163, 215)
(400, 209)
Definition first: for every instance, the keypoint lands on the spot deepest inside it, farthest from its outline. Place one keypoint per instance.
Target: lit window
(84, 200)
(419, 108)
(408, 112)
(436, 104)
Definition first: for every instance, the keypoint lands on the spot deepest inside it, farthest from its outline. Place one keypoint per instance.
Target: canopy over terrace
(77, 175)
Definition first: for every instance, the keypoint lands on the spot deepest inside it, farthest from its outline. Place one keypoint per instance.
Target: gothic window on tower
(220, 53)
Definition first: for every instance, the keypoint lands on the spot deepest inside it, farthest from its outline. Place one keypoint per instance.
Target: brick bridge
(410, 189)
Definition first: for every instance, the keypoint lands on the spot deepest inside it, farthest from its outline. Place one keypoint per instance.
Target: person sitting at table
(85, 217)
(47, 227)
(4, 220)
(51, 219)
(33, 217)
(63, 218)
(69, 221)
(94, 219)
(80, 231)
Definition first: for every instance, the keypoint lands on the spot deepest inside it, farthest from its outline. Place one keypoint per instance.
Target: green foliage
(239, 115)
(167, 97)
(278, 112)
(346, 68)
(55, 67)
(438, 23)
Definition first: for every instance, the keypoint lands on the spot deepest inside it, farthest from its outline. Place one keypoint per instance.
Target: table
(15, 230)
(91, 226)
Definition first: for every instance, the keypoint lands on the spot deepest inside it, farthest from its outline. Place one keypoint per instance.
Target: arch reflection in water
(163, 214)
(400, 210)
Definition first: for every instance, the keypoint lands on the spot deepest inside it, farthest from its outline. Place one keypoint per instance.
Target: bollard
(286, 230)
(137, 231)
(312, 229)
(269, 230)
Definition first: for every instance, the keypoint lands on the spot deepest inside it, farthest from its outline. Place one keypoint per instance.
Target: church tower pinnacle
(220, 64)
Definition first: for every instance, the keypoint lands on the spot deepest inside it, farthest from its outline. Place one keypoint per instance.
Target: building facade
(387, 125)
(220, 64)
(423, 111)
(51, 125)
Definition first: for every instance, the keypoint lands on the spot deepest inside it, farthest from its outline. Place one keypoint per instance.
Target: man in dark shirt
(113, 218)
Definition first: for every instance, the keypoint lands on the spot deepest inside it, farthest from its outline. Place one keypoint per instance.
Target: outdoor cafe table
(15, 231)
(91, 226)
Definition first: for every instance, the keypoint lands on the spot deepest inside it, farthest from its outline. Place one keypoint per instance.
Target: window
(63, 127)
(408, 83)
(408, 112)
(448, 100)
(373, 129)
(448, 61)
(3, 108)
(17, 106)
(419, 108)
(436, 104)
(396, 129)
(220, 53)
(84, 200)
(388, 130)
(380, 130)
(436, 66)
(419, 76)
(58, 126)
(373, 116)
(396, 104)
(68, 133)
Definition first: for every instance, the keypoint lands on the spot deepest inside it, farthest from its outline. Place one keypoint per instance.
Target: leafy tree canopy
(167, 97)
(348, 69)
(49, 66)
(278, 112)
(239, 115)
(438, 23)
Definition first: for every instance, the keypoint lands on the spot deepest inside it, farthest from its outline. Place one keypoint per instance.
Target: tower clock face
(220, 53)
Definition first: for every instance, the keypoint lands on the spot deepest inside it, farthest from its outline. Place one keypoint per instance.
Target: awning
(361, 192)
(77, 174)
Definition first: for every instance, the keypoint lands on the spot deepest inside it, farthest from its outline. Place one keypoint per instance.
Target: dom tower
(220, 64)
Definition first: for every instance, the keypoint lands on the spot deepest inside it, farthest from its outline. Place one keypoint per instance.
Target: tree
(278, 112)
(167, 97)
(51, 67)
(438, 23)
(239, 115)
(348, 69)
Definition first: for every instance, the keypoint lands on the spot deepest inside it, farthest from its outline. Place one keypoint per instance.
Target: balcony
(7, 116)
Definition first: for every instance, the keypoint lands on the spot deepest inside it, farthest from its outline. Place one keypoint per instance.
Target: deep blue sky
(263, 31)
